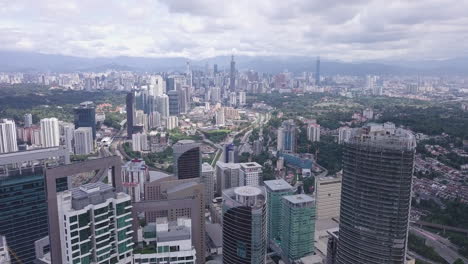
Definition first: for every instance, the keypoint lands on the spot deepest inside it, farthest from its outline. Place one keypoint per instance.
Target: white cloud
(346, 30)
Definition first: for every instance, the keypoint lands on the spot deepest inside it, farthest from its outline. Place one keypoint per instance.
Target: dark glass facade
(188, 164)
(23, 211)
(86, 117)
(174, 107)
(375, 203)
(130, 103)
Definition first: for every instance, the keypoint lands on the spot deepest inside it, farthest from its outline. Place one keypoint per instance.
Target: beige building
(328, 196)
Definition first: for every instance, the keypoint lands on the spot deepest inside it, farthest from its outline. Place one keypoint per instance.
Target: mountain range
(11, 61)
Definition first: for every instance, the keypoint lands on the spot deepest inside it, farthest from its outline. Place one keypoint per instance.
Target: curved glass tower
(244, 225)
(376, 195)
(187, 159)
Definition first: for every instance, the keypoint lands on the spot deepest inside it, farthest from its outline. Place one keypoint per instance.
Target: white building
(134, 176)
(172, 122)
(328, 197)
(154, 120)
(83, 137)
(140, 142)
(220, 120)
(4, 255)
(28, 120)
(232, 99)
(227, 176)
(242, 98)
(95, 224)
(50, 132)
(172, 240)
(207, 178)
(8, 136)
(157, 85)
(67, 132)
(162, 103)
(215, 95)
(344, 134)
(250, 174)
(368, 113)
(313, 132)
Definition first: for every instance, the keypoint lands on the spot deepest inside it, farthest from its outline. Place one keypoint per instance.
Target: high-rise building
(275, 190)
(244, 225)
(287, 137)
(232, 75)
(378, 163)
(154, 120)
(227, 176)
(23, 205)
(134, 175)
(344, 134)
(220, 120)
(67, 132)
(242, 98)
(313, 132)
(317, 72)
(298, 226)
(368, 113)
(215, 95)
(233, 99)
(250, 174)
(172, 122)
(131, 114)
(85, 116)
(174, 107)
(95, 219)
(140, 142)
(207, 178)
(8, 136)
(83, 137)
(184, 99)
(187, 159)
(332, 246)
(162, 103)
(230, 153)
(328, 196)
(4, 254)
(28, 122)
(50, 132)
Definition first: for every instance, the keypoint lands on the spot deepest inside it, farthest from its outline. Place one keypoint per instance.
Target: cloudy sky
(349, 30)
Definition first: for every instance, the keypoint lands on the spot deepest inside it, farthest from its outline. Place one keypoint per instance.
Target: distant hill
(31, 61)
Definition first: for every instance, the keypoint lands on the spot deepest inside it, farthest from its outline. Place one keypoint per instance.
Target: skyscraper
(275, 190)
(174, 107)
(287, 137)
(251, 174)
(28, 120)
(8, 136)
(244, 225)
(376, 195)
(232, 75)
(313, 132)
(134, 176)
(67, 131)
(207, 178)
(187, 159)
(84, 143)
(85, 116)
(50, 133)
(130, 101)
(162, 104)
(317, 72)
(298, 226)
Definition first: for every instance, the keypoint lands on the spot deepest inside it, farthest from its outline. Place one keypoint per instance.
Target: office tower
(130, 105)
(154, 120)
(174, 107)
(344, 134)
(371, 81)
(8, 136)
(230, 153)
(207, 178)
(378, 90)
(328, 196)
(220, 121)
(227, 176)
(157, 85)
(250, 174)
(28, 122)
(84, 143)
(184, 99)
(368, 113)
(165, 196)
(215, 69)
(275, 190)
(85, 116)
(141, 120)
(244, 225)
(140, 142)
(97, 220)
(134, 175)
(313, 132)
(376, 195)
(298, 226)
(172, 241)
(162, 103)
(233, 99)
(317, 72)
(50, 133)
(4, 254)
(215, 95)
(67, 131)
(172, 122)
(242, 98)
(23, 206)
(187, 159)
(332, 246)
(232, 75)
(287, 137)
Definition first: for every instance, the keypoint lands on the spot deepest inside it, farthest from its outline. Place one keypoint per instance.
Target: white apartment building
(313, 132)
(50, 132)
(8, 136)
(83, 137)
(250, 174)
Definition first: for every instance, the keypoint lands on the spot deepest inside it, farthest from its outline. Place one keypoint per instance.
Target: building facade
(275, 190)
(207, 178)
(85, 116)
(83, 138)
(187, 159)
(251, 174)
(8, 136)
(50, 132)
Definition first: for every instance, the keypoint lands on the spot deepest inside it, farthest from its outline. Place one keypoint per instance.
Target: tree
(458, 261)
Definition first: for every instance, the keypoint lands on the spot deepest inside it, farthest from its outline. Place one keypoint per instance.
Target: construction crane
(18, 260)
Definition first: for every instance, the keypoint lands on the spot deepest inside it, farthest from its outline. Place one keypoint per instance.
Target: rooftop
(278, 185)
(299, 198)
